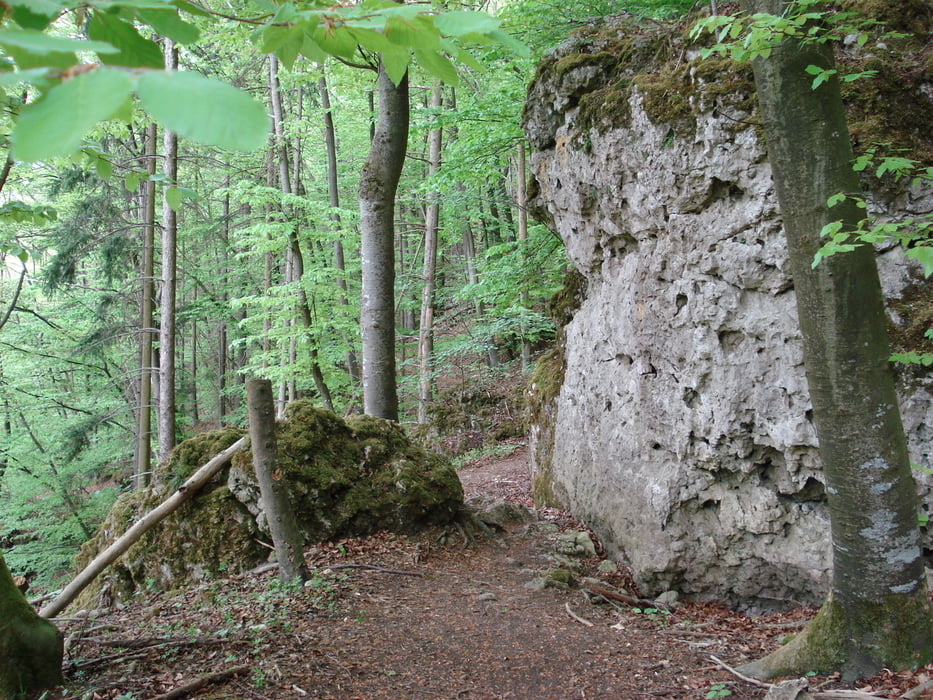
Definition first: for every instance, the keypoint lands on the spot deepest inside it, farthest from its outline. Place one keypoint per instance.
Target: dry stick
(747, 679)
(198, 683)
(576, 617)
(828, 695)
(130, 537)
(371, 567)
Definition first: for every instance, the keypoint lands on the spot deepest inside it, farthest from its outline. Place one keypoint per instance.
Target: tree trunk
(333, 198)
(31, 648)
(283, 526)
(288, 185)
(184, 493)
(144, 413)
(877, 614)
(166, 414)
(429, 268)
(378, 185)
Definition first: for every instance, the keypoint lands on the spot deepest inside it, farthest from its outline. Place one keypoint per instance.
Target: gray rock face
(681, 430)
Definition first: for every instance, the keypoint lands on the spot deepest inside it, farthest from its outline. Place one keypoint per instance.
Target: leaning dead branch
(185, 492)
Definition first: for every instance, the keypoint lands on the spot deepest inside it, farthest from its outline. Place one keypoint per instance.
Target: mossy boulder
(354, 477)
(346, 478)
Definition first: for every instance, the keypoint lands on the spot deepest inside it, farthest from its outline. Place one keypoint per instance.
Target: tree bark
(31, 648)
(378, 185)
(144, 413)
(877, 614)
(288, 185)
(184, 493)
(429, 268)
(333, 198)
(166, 413)
(283, 525)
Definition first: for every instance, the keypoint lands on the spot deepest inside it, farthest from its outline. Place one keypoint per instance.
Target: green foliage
(78, 95)
(719, 690)
(747, 37)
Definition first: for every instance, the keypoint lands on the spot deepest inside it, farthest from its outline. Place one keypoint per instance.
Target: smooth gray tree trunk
(428, 272)
(286, 536)
(166, 412)
(147, 293)
(333, 198)
(378, 185)
(878, 613)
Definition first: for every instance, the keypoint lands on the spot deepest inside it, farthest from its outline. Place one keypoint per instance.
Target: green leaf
(312, 51)
(438, 66)
(27, 60)
(418, 33)
(173, 198)
(510, 42)
(191, 8)
(835, 199)
(134, 51)
(33, 75)
(396, 64)
(39, 43)
(372, 40)
(204, 110)
(38, 14)
(337, 41)
(460, 22)
(131, 181)
(104, 168)
(168, 23)
(54, 125)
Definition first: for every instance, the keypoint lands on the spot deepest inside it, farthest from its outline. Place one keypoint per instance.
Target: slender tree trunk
(426, 326)
(283, 526)
(144, 414)
(166, 418)
(378, 185)
(878, 613)
(288, 186)
(333, 197)
(222, 324)
(31, 648)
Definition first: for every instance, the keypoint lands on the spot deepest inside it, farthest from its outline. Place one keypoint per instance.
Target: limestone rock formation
(674, 418)
(346, 478)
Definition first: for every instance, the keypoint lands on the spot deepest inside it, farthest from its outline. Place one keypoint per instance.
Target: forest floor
(391, 617)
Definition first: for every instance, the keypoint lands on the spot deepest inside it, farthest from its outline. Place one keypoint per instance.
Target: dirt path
(437, 621)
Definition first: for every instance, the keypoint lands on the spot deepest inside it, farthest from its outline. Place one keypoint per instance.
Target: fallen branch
(372, 567)
(576, 617)
(198, 683)
(622, 597)
(747, 679)
(131, 536)
(820, 695)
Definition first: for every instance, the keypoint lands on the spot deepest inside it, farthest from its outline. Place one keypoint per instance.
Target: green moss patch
(345, 478)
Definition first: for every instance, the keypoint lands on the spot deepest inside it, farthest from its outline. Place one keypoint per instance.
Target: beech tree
(878, 613)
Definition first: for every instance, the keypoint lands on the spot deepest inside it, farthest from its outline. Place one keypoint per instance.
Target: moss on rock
(345, 478)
